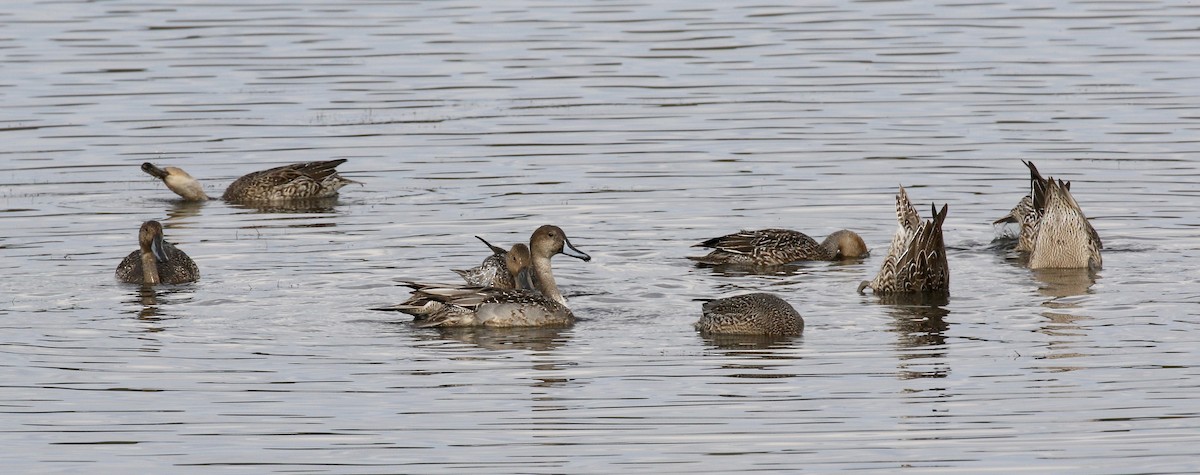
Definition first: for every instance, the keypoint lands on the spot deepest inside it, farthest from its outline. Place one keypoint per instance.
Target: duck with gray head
(772, 247)
(298, 181)
(434, 305)
(156, 261)
(916, 260)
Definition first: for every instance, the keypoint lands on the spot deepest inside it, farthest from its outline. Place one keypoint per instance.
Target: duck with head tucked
(1054, 231)
(750, 314)
(916, 260)
(434, 305)
(772, 247)
(298, 181)
(156, 261)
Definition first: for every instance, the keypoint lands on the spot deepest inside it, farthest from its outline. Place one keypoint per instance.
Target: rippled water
(640, 128)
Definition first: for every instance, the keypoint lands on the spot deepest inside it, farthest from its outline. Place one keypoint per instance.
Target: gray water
(640, 128)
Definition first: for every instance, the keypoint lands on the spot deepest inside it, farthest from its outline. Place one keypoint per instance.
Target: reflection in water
(1064, 329)
(181, 210)
(754, 356)
(1065, 334)
(737, 270)
(1060, 283)
(150, 299)
(317, 205)
(516, 338)
(920, 324)
(751, 342)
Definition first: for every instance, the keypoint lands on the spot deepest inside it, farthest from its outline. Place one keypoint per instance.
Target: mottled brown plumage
(298, 181)
(1055, 233)
(306, 180)
(156, 261)
(916, 260)
(769, 247)
(504, 269)
(750, 314)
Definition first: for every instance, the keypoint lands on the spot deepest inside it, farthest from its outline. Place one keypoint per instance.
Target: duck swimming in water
(750, 314)
(771, 247)
(1054, 231)
(156, 261)
(502, 270)
(916, 260)
(434, 305)
(308, 180)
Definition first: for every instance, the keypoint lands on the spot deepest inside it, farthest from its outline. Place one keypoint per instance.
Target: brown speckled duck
(308, 180)
(916, 260)
(156, 261)
(434, 305)
(771, 247)
(504, 269)
(1054, 231)
(750, 314)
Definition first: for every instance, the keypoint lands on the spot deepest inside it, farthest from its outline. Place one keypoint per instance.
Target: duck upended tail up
(434, 305)
(916, 260)
(156, 261)
(770, 247)
(1054, 231)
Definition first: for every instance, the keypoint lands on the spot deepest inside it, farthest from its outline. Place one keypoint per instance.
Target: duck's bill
(158, 247)
(570, 250)
(153, 171)
(525, 280)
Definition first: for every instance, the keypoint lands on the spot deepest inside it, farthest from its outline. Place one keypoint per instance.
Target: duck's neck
(543, 280)
(187, 187)
(149, 268)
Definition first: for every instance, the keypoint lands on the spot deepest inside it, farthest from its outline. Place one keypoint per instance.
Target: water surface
(640, 128)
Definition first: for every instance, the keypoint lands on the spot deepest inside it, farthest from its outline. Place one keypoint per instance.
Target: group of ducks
(515, 287)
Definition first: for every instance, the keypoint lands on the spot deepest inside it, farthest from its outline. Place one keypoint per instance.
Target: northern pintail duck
(916, 260)
(434, 305)
(504, 269)
(750, 314)
(156, 261)
(1054, 231)
(307, 180)
(770, 247)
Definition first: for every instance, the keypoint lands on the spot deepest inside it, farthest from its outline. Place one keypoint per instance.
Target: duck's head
(150, 238)
(847, 244)
(549, 240)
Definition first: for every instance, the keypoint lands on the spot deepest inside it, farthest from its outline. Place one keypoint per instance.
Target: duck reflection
(919, 321)
(738, 270)
(735, 345)
(500, 338)
(308, 205)
(181, 210)
(1065, 330)
(1059, 283)
(149, 302)
(1066, 336)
